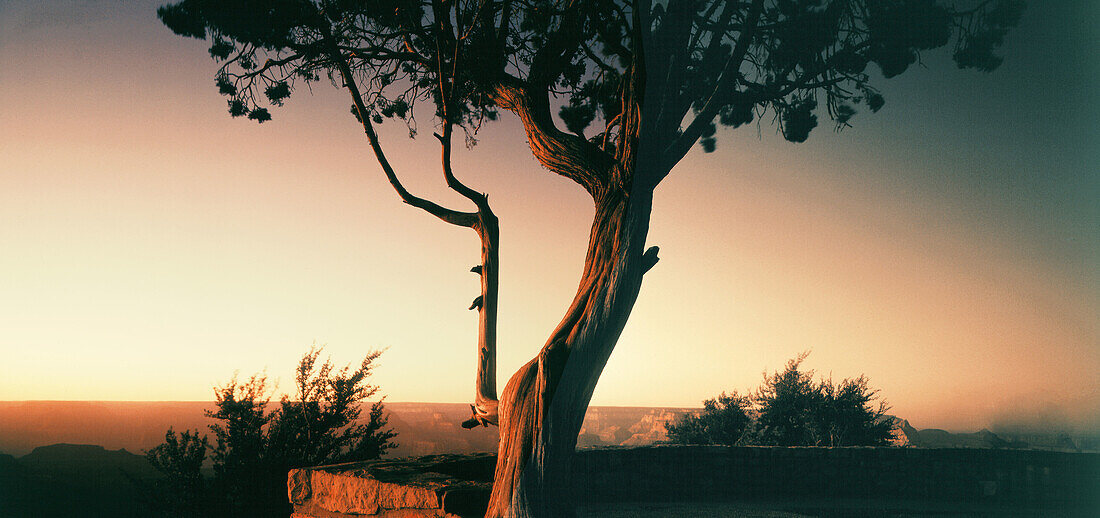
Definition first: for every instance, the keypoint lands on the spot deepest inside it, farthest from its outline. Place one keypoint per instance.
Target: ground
(819, 509)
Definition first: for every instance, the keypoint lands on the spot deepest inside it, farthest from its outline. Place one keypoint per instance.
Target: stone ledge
(436, 486)
(457, 486)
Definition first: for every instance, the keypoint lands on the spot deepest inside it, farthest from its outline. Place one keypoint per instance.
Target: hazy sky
(947, 246)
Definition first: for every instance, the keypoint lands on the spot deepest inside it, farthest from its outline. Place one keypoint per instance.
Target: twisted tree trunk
(543, 404)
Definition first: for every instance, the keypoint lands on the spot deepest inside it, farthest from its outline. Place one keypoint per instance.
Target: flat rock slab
(438, 486)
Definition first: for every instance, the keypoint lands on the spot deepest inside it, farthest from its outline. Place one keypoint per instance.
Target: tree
(255, 448)
(653, 77)
(723, 421)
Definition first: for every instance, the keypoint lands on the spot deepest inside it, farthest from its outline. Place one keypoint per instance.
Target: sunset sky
(948, 247)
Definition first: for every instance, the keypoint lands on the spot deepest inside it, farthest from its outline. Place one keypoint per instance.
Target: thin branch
(463, 219)
(596, 59)
(453, 182)
(730, 74)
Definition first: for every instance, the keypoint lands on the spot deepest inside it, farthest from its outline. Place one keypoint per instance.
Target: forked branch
(483, 221)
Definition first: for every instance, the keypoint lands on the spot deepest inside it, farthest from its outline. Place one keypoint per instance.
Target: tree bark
(485, 407)
(543, 404)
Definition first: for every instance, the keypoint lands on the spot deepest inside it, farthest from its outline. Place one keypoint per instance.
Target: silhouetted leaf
(225, 87)
(875, 101)
(736, 114)
(237, 107)
(182, 20)
(577, 117)
(799, 120)
(277, 92)
(259, 115)
(220, 49)
(844, 113)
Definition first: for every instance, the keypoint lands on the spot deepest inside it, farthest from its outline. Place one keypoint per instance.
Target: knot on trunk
(477, 303)
(482, 419)
(649, 258)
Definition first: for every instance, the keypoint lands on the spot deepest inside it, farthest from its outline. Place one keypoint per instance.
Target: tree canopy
(705, 62)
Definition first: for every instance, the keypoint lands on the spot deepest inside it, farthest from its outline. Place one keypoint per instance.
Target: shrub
(723, 421)
(790, 409)
(254, 448)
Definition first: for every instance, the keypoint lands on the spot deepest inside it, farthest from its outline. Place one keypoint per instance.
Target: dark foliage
(253, 448)
(179, 459)
(790, 409)
(787, 404)
(850, 414)
(724, 421)
(725, 62)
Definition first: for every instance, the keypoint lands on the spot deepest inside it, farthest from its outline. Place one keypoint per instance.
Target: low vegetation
(254, 448)
(791, 409)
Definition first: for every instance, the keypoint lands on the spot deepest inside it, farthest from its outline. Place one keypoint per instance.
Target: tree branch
(453, 182)
(730, 74)
(668, 68)
(384, 54)
(557, 51)
(567, 155)
(454, 217)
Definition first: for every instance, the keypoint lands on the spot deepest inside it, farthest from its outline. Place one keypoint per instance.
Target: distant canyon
(423, 428)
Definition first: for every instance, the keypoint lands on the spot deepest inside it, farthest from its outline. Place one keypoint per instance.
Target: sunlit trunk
(544, 403)
(485, 400)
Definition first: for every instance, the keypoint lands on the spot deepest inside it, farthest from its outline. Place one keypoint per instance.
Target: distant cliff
(72, 480)
(906, 435)
(423, 428)
(627, 426)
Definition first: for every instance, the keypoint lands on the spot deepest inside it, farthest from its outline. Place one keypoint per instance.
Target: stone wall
(457, 486)
(715, 472)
